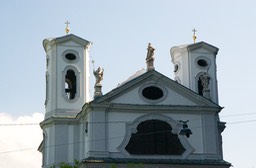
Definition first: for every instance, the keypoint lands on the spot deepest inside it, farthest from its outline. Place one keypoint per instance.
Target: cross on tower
(67, 28)
(194, 35)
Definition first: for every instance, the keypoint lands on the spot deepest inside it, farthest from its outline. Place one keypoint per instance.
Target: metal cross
(194, 35)
(194, 30)
(67, 28)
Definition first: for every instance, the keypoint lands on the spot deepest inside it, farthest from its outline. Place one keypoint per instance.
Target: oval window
(202, 63)
(70, 56)
(152, 93)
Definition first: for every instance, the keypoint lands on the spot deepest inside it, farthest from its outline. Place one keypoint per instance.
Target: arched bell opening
(70, 84)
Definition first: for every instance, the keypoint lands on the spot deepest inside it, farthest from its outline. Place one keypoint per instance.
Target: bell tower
(67, 90)
(195, 68)
(67, 75)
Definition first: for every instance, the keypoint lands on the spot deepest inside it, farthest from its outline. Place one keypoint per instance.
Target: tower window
(176, 68)
(202, 63)
(200, 87)
(154, 137)
(70, 84)
(47, 89)
(70, 56)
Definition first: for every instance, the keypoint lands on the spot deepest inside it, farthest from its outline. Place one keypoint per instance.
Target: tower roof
(191, 47)
(204, 45)
(69, 37)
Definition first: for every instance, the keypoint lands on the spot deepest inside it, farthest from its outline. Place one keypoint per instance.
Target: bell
(185, 130)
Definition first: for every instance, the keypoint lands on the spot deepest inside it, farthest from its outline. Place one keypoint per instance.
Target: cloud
(19, 140)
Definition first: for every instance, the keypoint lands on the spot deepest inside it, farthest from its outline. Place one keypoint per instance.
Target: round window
(152, 93)
(202, 63)
(70, 56)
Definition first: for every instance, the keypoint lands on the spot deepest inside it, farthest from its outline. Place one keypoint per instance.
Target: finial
(67, 28)
(194, 35)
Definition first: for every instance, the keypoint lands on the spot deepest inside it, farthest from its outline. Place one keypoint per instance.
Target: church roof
(69, 37)
(136, 74)
(152, 76)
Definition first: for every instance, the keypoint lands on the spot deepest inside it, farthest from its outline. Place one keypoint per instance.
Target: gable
(70, 43)
(70, 39)
(138, 95)
(153, 88)
(203, 47)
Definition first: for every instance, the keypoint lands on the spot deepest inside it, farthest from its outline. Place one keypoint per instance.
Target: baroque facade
(148, 120)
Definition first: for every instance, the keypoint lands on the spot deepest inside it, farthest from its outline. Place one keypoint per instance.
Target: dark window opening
(47, 91)
(154, 137)
(202, 63)
(200, 87)
(152, 93)
(176, 68)
(70, 56)
(70, 84)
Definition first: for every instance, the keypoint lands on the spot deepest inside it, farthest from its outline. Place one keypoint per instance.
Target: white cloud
(19, 140)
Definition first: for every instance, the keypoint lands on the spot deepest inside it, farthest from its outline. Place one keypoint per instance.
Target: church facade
(147, 121)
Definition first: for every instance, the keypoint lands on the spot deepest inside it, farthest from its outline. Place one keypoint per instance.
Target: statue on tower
(205, 83)
(150, 57)
(98, 75)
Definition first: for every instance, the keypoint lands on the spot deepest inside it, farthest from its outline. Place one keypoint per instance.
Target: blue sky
(120, 32)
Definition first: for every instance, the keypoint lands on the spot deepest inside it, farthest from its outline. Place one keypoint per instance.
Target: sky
(120, 32)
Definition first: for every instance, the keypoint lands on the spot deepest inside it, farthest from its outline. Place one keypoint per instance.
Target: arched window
(47, 88)
(154, 137)
(70, 84)
(200, 86)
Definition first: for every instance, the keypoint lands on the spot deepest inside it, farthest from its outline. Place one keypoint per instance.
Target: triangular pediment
(153, 88)
(203, 47)
(69, 39)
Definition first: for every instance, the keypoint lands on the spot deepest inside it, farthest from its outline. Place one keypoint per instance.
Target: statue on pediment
(150, 57)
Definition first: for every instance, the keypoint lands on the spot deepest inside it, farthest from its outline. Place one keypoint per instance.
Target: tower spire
(194, 35)
(67, 28)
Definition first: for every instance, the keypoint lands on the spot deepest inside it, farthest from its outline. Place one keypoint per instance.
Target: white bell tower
(195, 68)
(67, 90)
(67, 75)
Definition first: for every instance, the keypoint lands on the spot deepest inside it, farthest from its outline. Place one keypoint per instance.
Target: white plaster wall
(188, 69)
(71, 144)
(51, 102)
(117, 127)
(61, 142)
(57, 101)
(195, 69)
(63, 102)
(180, 56)
(50, 145)
(117, 121)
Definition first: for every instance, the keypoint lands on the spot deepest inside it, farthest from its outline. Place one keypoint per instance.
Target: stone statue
(98, 75)
(150, 57)
(205, 81)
